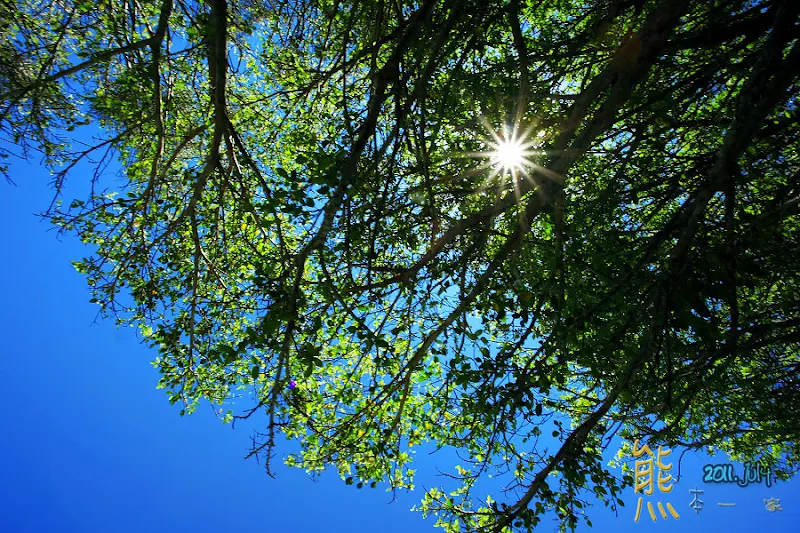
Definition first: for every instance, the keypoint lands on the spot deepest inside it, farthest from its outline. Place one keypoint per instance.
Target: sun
(508, 155)
(509, 152)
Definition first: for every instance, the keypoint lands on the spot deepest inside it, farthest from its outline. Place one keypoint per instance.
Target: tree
(465, 223)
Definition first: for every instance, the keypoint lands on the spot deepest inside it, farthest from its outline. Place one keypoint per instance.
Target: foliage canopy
(307, 196)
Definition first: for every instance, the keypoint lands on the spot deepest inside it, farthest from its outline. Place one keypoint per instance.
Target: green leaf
(381, 343)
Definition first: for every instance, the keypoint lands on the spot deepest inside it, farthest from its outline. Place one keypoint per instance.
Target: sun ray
(509, 149)
(510, 153)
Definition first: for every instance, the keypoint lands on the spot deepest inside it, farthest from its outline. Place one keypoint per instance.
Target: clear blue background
(90, 445)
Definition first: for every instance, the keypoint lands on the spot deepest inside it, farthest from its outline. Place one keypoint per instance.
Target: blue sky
(92, 446)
